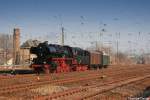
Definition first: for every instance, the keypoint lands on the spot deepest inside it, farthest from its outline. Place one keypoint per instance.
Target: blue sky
(83, 21)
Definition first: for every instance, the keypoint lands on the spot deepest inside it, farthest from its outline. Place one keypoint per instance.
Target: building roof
(30, 43)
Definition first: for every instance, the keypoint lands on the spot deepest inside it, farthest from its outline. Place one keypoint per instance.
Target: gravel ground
(49, 89)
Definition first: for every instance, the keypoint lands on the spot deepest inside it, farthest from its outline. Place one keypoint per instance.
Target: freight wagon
(95, 59)
(105, 60)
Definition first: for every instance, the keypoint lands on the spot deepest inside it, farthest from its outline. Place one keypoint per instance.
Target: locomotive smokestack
(16, 45)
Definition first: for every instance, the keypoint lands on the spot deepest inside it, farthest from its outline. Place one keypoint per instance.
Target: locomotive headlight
(44, 62)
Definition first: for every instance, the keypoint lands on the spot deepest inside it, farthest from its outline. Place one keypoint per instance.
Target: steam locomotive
(52, 58)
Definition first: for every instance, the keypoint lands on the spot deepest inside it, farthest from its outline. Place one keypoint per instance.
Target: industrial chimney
(16, 46)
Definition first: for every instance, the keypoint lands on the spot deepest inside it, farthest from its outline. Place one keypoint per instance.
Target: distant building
(12, 53)
(25, 56)
(22, 53)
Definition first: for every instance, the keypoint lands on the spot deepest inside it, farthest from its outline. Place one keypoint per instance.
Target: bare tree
(5, 48)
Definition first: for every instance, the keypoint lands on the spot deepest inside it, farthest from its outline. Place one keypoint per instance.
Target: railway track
(133, 90)
(72, 74)
(20, 87)
(92, 75)
(23, 79)
(104, 87)
(113, 85)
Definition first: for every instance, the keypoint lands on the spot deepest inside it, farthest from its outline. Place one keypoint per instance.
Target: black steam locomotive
(57, 58)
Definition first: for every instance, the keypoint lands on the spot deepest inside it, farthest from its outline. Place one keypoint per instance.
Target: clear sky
(83, 21)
